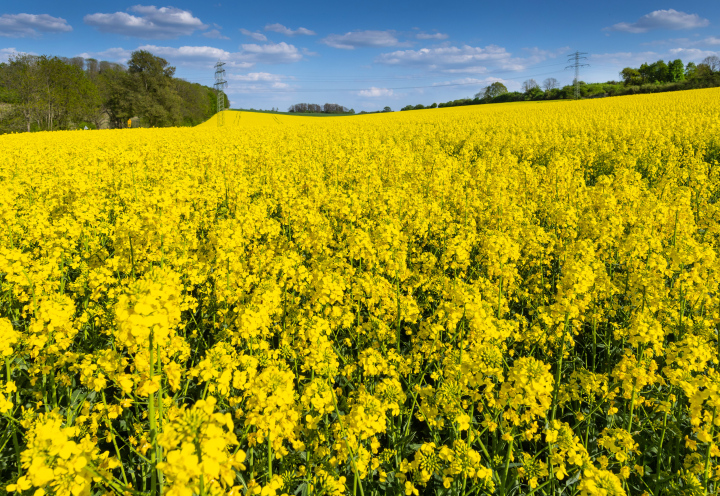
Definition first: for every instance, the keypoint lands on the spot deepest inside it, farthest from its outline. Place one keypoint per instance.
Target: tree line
(44, 93)
(656, 77)
(671, 72)
(314, 108)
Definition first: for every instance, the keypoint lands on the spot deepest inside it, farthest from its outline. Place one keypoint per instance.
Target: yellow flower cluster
(196, 442)
(58, 461)
(499, 299)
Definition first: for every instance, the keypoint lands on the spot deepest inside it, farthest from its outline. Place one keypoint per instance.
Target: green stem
(16, 444)
(559, 369)
(342, 428)
(112, 433)
(153, 427)
(632, 409)
(707, 454)
(507, 466)
(158, 448)
(659, 460)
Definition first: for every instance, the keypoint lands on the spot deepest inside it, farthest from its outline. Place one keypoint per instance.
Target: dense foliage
(509, 299)
(52, 93)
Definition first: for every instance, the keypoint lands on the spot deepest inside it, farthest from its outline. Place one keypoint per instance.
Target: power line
(440, 85)
(574, 60)
(333, 79)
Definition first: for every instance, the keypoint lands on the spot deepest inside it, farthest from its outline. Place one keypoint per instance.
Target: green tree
(152, 94)
(631, 77)
(198, 102)
(690, 70)
(21, 78)
(387, 109)
(646, 73)
(494, 90)
(65, 95)
(676, 70)
(534, 93)
(115, 96)
(659, 72)
(529, 85)
(703, 71)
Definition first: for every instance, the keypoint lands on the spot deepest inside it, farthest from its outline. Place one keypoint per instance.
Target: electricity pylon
(220, 84)
(574, 61)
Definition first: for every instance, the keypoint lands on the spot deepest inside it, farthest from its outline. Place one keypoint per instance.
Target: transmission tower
(220, 84)
(574, 61)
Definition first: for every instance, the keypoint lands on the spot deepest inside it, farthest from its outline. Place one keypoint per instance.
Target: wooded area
(314, 108)
(648, 78)
(43, 93)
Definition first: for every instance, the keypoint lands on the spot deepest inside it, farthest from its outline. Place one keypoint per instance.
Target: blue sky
(366, 55)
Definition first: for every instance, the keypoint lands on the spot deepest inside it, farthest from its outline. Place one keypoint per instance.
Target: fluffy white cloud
(189, 55)
(694, 54)
(111, 54)
(470, 58)
(24, 25)
(476, 83)
(374, 92)
(270, 53)
(711, 40)
(206, 56)
(661, 19)
(6, 53)
(254, 35)
(279, 28)
(254, 82)
(355, 39)
(150, 22)
(431, 36)
(215, 34)
(623, 59)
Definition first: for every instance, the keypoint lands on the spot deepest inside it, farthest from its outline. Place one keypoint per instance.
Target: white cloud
(624, 59)
(355, 39)
(6, 53)
(476, 84)
(151, 22)
(685, 42)
(431, 36)
(215, 34)
(111, 54)
(279, 28)
(206, 56)
(711, 40)
(257, 82)
(254, 35)
(189, 55)
(270, 53)
(470, 58)
(23, 25)
(694, 54)
(661, 19)
(374, 92)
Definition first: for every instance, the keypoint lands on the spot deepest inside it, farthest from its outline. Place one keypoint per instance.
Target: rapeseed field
(498, 299)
